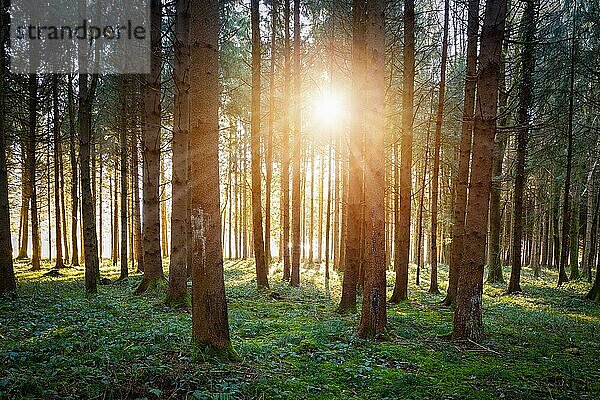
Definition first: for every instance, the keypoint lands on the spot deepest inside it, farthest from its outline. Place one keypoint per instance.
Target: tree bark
(209, 305)
(123, 155)
(285, 158)
(177, 293)
(462, 176)
(355, 172)
(433, 286)
(74, 174)
(296, 153)
(467, 316)
(525, 100)
(403, 250)
(57, 186)
(262, 280)
(7, 274)
(31, 166)
(373, 317)
(153, 271)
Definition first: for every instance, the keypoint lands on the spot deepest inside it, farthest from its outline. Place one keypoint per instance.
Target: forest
(293, 199)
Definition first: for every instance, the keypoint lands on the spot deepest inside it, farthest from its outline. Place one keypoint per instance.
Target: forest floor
(57, 343)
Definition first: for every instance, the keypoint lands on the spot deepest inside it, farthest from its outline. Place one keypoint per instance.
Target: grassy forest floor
(57, 343)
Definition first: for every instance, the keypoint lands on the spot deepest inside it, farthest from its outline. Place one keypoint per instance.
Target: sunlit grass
(58, 342)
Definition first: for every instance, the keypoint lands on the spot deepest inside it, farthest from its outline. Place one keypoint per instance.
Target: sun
(329, 110)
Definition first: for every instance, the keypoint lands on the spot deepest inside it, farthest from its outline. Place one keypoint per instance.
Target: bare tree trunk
(90, 240)
(566, 223)
(153, 271)
(467, 316)
(296, 154)
(7, 274)
(123, 155)
(373, 317)
(586, 264)
(403, 250)
(178, 294)
(355, 172)
(57, 186)
(462, 178)
(31, 166)
(262, 280)
(209, 306)
(137, 224)
(433, 287)
(74, 174)
(525, 100)
(285, 158)
(271, 129)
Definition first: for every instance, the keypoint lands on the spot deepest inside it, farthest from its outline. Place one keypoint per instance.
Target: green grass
(55, 342)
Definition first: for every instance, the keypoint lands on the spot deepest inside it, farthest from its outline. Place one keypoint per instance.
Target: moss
(183, 301)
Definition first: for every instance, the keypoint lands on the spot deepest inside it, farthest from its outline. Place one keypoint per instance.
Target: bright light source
(329, 111)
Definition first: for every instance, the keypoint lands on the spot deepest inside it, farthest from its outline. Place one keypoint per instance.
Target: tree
(257, 227)
(123, 156)
(7, 273)
(210, 328)
(466, 135)
(177, 293)
(57, 161)
(433, 287)
(525, 100)
(30, 163)
(355, 172)
(153, 271)
(566, 214)
(271, 128)
(296, 153)
(74, 173)
(285, 157)
(467, 316)
(373, 317)
(403, 223)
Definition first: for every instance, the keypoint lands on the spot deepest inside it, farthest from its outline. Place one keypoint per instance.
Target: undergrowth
(56, 342)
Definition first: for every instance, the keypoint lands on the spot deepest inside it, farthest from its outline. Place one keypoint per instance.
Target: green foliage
(57, 343)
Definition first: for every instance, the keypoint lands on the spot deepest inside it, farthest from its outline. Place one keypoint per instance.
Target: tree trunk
(31, 166)
(123, 155)
(271, 129)
(467, 316)
(296, 153)
(565, 247)
(462, 177)
(373, 317)
(137, 223)
(525, 100)
(153, 271)
(586, 264)
(164, 239)
(209, 313)
(355, 172)
(74, 174)
(177, 294)
(285, 158)
(403, 250)
(57, 186)
(433, 287)
(262, 280)
(90, 240)
(7, 274)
